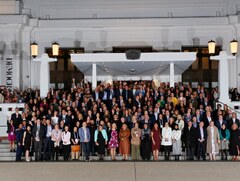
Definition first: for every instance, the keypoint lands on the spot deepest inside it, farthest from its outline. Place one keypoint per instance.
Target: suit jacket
(206, 122)
(190, 136)
(204, 134)
(16, 120)
(230, 123)
(82, 136)
(128, 93)
(41, 132)
(219, 125)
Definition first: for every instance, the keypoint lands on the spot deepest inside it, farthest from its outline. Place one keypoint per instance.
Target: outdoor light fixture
(34, 50)
(55, 49)
(234, 47)
(211, 47)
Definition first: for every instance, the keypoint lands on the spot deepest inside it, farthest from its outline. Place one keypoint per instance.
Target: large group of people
(137, 119)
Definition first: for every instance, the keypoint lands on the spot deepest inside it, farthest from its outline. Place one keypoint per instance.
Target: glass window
(214, 64)
(52, 66)
(195, 64)
(205, 63)
(70, 65)
(60, 65)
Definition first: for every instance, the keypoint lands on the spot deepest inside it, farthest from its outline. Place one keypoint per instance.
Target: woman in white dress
(176, 141)
(167, 140)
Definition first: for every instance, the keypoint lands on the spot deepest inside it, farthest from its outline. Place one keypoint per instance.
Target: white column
(44, 73)
(94, 76)
(223, 82)
(172, 75)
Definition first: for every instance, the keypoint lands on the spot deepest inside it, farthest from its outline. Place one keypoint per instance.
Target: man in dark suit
(201, 141)
(207, 119)
(19, 140)
(190, 140)
(47, 150)
(233, 120)
(38, 134)
(220, 122)
(17, 118)
(126, 93)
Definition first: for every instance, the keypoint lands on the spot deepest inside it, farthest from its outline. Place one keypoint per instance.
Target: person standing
(201, 141)
(124, 144)
(47, 141)
(145, 142)
(17, 118)
(190, 140)
(100, 138)
(66, 137)
(135, 142)
(11, 135)
(167, 140)
(56, 139)
(212, 141)
(224, 134)
(38, 133)
(234, 142)
(84, 134)
(27, 142)
(75, 139)
(156, 140)
(19, 138)
(177, 143)
(113, 141)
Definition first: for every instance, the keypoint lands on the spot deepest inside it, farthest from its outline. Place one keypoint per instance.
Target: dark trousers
(167, 152)
(86, 151)
(190, 152)
(55, 151)
(66, 152)
(92, 148)
(201, 150)
(19, 152)
(47, 148)
(38, 150)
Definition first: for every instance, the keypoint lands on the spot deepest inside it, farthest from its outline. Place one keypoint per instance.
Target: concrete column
(171, 75)
(94, 76)
(44, 73)
(223, 82)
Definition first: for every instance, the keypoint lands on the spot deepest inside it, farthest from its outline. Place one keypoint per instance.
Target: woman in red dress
(156, 140)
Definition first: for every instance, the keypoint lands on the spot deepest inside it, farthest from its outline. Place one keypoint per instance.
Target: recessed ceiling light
(132, 70)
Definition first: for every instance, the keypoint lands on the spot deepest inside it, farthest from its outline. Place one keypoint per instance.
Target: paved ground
(124, 171)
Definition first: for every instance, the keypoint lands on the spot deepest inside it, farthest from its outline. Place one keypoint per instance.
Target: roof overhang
(116, 64)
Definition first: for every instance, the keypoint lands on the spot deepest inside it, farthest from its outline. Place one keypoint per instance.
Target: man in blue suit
(19, 140)
(84, 134)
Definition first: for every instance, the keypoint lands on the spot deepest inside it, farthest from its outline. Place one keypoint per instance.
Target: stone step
(7, 154)
(4, 146)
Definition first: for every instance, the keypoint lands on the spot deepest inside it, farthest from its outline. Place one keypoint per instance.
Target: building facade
(98, 26)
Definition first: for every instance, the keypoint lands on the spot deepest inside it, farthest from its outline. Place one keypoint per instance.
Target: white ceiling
(146, 65)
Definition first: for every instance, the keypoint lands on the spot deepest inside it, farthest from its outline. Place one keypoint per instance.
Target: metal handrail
(229, 106)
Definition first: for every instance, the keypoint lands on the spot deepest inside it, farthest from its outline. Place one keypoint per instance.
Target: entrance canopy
(149, 64)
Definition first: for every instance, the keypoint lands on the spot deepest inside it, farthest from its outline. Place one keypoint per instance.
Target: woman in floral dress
(113, 141)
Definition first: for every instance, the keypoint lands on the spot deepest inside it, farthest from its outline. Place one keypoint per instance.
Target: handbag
(75, 148)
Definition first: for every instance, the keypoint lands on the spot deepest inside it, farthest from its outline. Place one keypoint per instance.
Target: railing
(6, 109)
(234, 106)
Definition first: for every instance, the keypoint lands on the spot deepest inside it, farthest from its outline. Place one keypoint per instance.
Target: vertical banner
(9, 74)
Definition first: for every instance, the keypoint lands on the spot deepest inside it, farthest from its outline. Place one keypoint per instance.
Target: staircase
(6, 155)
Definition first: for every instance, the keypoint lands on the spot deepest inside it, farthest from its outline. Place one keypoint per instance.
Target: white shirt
(66, 138)
(167, 136)
(176, 134)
